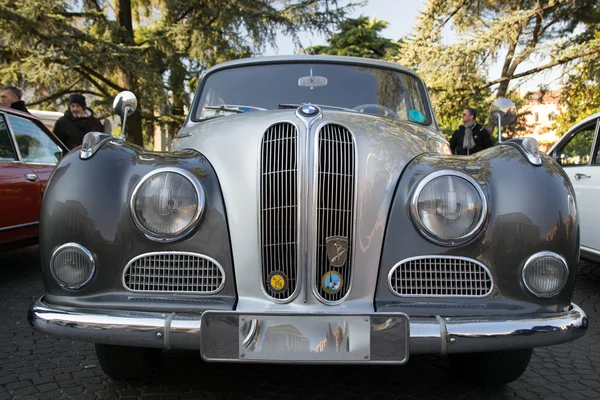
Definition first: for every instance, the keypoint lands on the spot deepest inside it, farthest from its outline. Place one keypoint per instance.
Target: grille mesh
(279, 207)
(441, 276)
(173, 272)
(335, 203)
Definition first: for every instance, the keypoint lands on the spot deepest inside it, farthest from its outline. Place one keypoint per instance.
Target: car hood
(232, 144)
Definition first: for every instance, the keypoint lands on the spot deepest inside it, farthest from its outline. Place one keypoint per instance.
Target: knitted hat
(78, 99)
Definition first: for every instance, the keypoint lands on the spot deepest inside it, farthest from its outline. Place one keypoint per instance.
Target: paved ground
(33, 366)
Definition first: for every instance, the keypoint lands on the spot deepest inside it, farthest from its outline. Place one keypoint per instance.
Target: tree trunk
(133, 131)
(176, 84)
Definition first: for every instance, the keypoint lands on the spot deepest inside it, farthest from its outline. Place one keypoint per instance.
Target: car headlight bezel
(531, 261)
(84, 252)
(200, 198)
(426, 232)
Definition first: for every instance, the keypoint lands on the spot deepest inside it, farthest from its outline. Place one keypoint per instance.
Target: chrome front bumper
(423, 335)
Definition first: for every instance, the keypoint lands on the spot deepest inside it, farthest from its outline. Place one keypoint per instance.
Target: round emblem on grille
(332, 282)
(277, 281)
(308, 110)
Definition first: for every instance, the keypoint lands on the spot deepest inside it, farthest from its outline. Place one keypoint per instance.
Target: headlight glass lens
(449, 207)
(72, 265)
(167, 205)
(545, 274)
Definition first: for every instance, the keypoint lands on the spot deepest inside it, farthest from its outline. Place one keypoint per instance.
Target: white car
(577, 153)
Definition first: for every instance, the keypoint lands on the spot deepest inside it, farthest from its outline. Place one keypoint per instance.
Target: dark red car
(28, 154)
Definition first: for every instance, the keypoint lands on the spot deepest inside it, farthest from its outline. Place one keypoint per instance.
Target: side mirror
(124, 105)
(503, 112)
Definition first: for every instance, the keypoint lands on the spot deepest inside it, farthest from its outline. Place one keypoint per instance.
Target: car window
(370, 90)
(7, 152)
(34, 144)
(579, 147)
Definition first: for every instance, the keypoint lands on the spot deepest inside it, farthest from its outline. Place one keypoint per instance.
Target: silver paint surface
(232, 146)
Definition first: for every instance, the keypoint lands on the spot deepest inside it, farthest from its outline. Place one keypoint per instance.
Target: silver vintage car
(309, 211)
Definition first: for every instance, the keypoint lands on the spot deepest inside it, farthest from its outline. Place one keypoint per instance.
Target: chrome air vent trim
(279, 205)
(334, 205)
(440, 276)
(173, 272)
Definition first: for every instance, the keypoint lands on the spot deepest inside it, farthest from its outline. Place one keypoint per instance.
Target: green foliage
(514, 34)
(96, 47)
(358, 37)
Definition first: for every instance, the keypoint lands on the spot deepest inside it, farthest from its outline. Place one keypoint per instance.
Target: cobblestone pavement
(33, 366)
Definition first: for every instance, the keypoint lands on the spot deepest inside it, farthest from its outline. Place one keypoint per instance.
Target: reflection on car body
(294, 213)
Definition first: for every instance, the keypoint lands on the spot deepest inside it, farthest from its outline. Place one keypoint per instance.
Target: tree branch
(540, 68)
(87, 70)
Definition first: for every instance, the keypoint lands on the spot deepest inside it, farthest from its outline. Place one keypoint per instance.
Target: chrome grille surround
(279, 229)
(333, 204)
(440, 276)
(173, 271)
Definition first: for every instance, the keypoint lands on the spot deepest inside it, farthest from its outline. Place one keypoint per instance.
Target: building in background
(541, 110)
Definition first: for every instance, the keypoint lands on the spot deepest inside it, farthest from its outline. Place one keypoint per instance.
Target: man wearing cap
(77, 121)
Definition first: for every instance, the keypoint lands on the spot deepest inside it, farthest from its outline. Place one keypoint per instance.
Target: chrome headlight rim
(430, 235)
(88, 255)
(200, 196)
(535, 257)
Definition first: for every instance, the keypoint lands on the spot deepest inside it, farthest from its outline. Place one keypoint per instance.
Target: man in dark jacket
(77, 121)
(470, 137)
(11, 98)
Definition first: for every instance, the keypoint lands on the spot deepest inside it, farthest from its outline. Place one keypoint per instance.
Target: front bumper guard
(426, 335)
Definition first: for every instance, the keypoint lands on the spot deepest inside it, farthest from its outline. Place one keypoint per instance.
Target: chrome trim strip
(533, 159)
(176, 253)
(590, 250)
(190, 226)
(299, 258)
(313, 230)
(406, 260)
(464, 334)
(424, 231)
(534, 258)
(85, 252)
(13, 227)
(304, 188)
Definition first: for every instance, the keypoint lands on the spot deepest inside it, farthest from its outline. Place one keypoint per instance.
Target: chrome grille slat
(279, 207)
(440, 276)
(334, 203)
(169, 272)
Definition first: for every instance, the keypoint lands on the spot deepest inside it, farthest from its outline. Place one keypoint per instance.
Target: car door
(578, 155)
(20, 192)
(38, 150)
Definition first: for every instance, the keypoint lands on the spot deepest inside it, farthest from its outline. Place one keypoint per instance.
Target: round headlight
(545, 274)
(167, 203)
(72, 265)
(449, 207)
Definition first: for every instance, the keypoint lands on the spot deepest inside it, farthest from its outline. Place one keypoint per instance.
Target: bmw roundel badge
(308, 110)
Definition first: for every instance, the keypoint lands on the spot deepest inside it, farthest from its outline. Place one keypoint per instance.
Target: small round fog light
(545, 274)
(72, 265)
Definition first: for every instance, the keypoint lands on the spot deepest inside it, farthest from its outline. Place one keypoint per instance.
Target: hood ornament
(337, 250)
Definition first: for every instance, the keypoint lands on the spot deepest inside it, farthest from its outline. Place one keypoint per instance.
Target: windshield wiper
(224, 108)
(285, 105)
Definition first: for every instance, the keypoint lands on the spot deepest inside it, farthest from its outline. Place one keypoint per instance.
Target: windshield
(368, 90)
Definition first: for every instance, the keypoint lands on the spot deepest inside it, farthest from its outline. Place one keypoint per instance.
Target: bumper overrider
(310, 337)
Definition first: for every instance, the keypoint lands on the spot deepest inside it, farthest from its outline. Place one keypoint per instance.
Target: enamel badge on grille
(337, 250)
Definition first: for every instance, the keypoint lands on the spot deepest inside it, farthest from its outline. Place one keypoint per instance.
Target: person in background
(77, 121)
(470, 137)
(10, 97)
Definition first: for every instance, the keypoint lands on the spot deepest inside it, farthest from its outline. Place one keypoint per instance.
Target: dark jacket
(19, 105)
(71, 130)
(481, 136)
